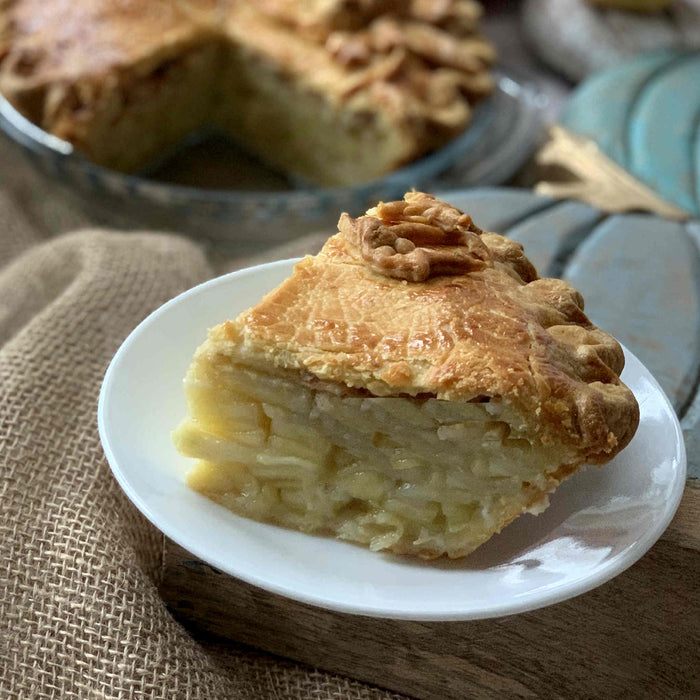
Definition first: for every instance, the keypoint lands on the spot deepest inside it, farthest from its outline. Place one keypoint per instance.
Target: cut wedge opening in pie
(414, 388)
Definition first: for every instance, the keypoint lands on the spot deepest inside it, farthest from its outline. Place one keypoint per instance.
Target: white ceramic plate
(600, 520)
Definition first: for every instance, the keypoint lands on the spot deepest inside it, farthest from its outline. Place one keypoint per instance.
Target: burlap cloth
(80, 615)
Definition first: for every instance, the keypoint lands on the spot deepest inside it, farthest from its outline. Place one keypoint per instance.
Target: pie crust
(414, 387)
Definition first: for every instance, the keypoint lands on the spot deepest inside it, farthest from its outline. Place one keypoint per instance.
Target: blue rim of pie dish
(516, 105)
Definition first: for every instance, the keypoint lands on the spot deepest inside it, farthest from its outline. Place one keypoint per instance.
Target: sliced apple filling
(408, 474)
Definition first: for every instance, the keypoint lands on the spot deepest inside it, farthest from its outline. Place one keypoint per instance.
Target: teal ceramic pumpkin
(645, 115)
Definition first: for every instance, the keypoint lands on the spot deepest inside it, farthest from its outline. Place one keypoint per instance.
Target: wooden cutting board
(637, 636)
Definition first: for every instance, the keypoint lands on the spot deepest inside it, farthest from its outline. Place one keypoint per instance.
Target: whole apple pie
(414, 387)
(334, 91)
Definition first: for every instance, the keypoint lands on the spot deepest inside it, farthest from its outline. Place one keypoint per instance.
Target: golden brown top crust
(70, 51)
(498, 332)
(419, 63)
(417, 238)
(65, 39)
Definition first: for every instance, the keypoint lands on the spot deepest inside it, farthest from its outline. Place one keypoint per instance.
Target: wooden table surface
(637, 636)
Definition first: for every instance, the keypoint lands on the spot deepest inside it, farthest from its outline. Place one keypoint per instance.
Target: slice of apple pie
(414, 387)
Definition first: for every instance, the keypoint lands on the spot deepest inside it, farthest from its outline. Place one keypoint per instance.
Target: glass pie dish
(210, 189)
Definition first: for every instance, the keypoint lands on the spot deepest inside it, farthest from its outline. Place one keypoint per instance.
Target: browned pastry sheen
(337, 91)
(414, 387)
